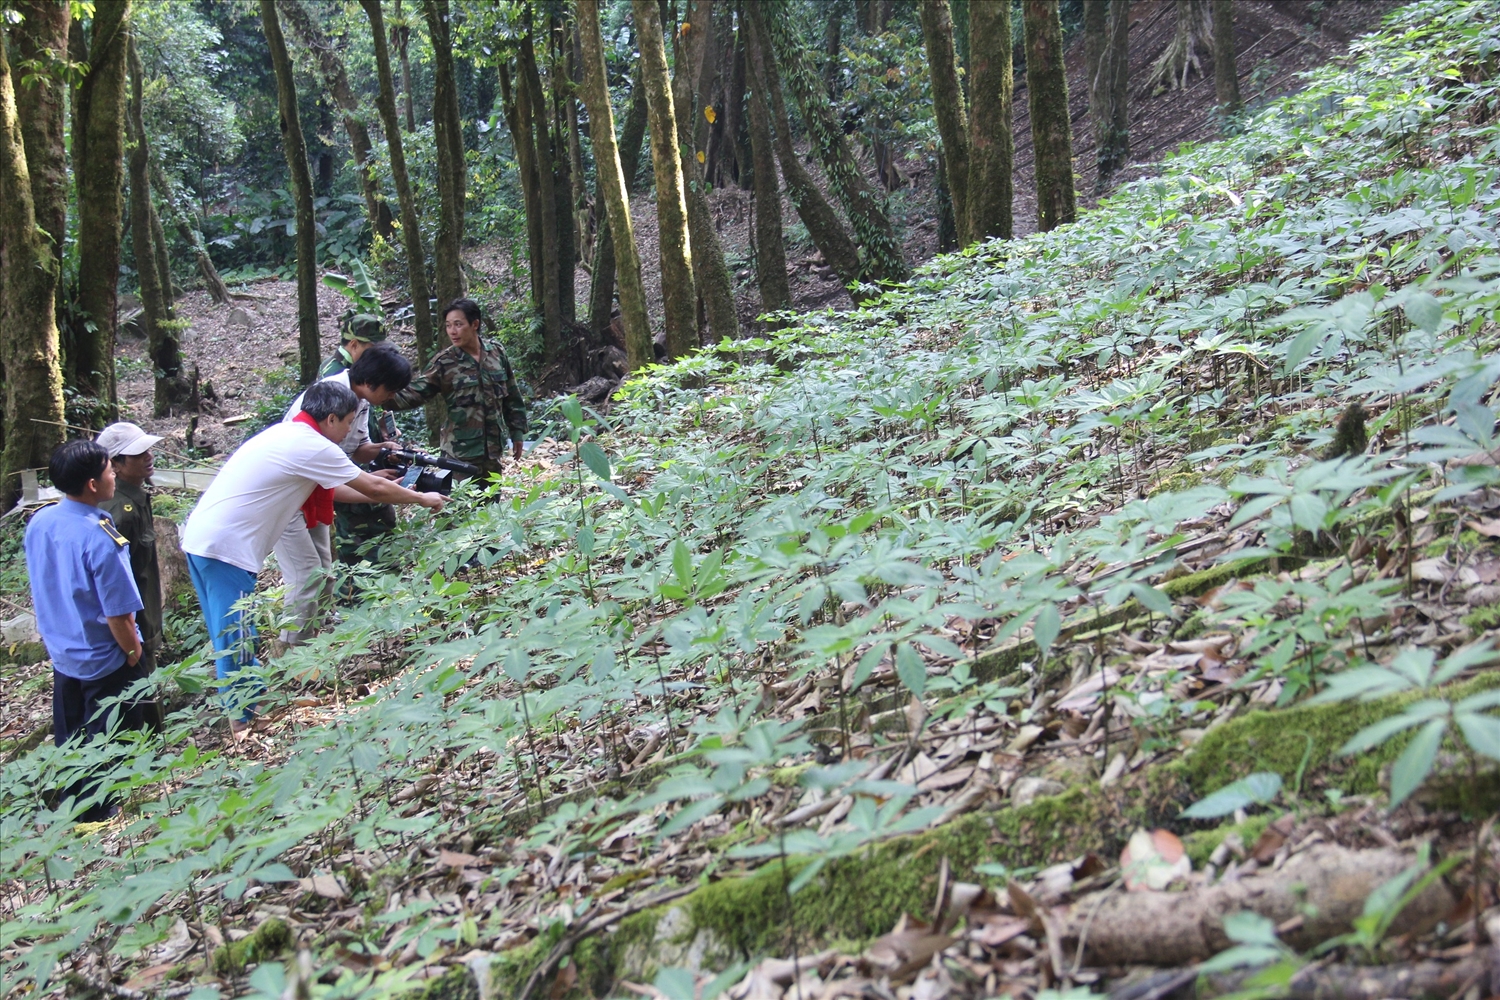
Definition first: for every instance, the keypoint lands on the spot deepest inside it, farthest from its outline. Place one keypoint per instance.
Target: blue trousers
(220, 586)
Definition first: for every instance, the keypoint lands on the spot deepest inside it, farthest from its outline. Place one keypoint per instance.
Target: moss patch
(1483, 619)
(268, 940)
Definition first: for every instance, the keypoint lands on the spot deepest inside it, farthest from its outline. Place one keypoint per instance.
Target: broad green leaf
(682, 565)
(1247, 927)
(594, 457)
(1481, 732)
(911, 669)
(1424, 311)
(517, 665)
(1415, 762)
(1045, 627)
(1254, 789)
(1378, 732)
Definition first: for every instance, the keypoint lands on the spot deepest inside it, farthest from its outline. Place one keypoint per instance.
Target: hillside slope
(1039, 550)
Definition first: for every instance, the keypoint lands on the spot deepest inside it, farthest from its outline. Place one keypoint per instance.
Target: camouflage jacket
(484, 403)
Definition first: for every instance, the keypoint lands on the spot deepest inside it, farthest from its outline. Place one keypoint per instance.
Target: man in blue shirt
(85, 599)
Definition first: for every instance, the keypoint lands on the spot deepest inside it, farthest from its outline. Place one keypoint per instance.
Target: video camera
(424, 473)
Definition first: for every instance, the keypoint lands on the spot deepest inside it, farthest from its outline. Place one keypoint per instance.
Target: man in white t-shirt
(285, 468)
(305, 551)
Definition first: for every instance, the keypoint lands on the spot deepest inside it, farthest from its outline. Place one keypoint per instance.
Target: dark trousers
(77, 715)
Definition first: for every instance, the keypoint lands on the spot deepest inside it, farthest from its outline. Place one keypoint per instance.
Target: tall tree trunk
(98, 172)
(1051, 132)
(400, 40)
(710, 272)
(770, 247)
(309, 352)
(162, 342)
(331, 68)
(864, 206)
(411, 232)
(948, 106)
(42, 39)
(211, 280)
(1226, 74)
(562, 180)
(534, 106)
(733, 150)
(1180, 58)
(581, 211)
(632, 135)
(678, 295)
(518, 120)
(822, 222)
(30, 367)
(833, 44)
(615, 184)
(992, 97)
(447, 130)
(1112, 123)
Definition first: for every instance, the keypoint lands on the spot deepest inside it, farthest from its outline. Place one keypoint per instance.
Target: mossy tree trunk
(30, 367)
(710, 271)
(1226, 73)
(770, 246)
(864, 206)
(615, 189)
(823, 224)
(1110, 88)
(449, 280)
(518, 120)
(309, 351)
(331, 68)
(727, 157)
(562, 182)
(1051, 132)
(41, 38)
(210, 274)
(991, 102)
(628, 149)
(948, 108)
(411, 232)
(532, 106)
(401, 41)
(162, 343)
(98, 173)
(678, 290)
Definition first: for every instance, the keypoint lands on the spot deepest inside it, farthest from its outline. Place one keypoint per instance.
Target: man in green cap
(357, 523)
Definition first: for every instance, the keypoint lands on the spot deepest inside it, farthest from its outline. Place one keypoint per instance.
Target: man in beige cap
(129, 450)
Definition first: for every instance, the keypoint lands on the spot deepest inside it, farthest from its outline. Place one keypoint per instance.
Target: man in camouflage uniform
(474, 377)
(357, 523)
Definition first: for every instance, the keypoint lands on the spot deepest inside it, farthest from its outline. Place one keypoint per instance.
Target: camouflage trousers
(487, 465)
(354, 524)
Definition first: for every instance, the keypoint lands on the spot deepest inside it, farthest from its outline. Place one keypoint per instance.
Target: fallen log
(1315, 896)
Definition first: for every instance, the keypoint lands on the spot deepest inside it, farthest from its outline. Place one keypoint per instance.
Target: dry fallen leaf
(454, 859)
(327, 886)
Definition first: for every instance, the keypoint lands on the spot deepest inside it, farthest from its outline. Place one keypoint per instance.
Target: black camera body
(422, 472)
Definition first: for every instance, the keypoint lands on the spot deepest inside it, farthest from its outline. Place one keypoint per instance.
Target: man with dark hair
(86, 601)
(305, 551)
(474, 377)
(286, 468)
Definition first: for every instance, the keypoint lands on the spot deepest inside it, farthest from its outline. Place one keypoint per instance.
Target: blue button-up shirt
(80, 575)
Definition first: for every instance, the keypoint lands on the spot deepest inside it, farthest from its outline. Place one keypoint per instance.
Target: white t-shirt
(359, 431)
(265, 481)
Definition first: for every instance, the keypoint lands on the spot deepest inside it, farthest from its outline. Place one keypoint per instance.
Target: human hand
(392, 474)
(515, 449)
(432, 501)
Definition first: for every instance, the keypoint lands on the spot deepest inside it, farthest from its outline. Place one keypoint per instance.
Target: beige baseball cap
(125, 439)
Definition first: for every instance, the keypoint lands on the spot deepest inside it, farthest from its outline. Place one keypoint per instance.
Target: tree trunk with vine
(1051, 131)
(678, 291)
(411, 231)
(30, 368)
(98, 174)
(615, 188)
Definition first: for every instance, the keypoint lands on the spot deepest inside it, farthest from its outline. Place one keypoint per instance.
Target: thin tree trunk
(992, 97)
(770, 246)
(411, 232)
(1226, 74)
(833, 44)
(616, 188)
(29, 351)
(1051, 132)
(448, 272)
(562, 182)
(822, 222)
(518, 120)
(632, 135)
(1113, 125)
(309, 351)
(534, 104)
(710, 272)
(401, 40)
(98, 172)
(864, 206)
(331, 67)
(733, 121)
(948, 107)
(581, 213)
(162, 343)
(215, 284)
(677, 287)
